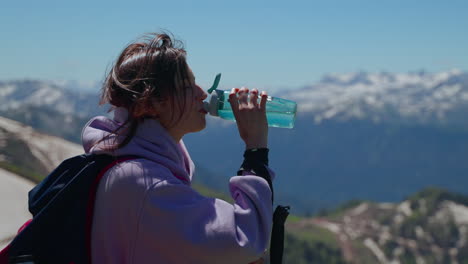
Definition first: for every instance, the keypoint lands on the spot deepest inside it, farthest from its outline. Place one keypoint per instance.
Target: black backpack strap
(277, 234)
(255, 161)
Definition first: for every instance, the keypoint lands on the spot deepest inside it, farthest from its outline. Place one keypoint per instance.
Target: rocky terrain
(431, 226)
(30, 153)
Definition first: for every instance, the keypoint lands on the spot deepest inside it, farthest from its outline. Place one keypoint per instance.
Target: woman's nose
(201, 93)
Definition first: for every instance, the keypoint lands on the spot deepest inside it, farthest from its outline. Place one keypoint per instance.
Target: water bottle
(279, 112)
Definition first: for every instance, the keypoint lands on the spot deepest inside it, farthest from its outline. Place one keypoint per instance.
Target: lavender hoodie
(146, 211)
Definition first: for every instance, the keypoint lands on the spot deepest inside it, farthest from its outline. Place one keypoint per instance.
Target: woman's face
(189, 108)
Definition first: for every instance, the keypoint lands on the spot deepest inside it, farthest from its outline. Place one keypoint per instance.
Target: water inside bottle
(274, 119)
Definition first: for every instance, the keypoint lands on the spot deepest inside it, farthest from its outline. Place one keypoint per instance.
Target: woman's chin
(202, 126)
(199, 127)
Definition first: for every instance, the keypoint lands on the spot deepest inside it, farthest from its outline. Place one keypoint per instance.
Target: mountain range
(418, 97)
(376, 136)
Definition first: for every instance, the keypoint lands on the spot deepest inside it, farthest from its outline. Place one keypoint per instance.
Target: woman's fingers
(233, 96)
(234, 101)
(250, 116)
(254, 98)
(263, 101)
(243, 97)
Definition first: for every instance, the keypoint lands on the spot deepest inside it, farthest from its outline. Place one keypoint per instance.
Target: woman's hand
(250, 116)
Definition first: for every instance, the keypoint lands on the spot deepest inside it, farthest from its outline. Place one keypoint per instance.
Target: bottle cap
(212, 105)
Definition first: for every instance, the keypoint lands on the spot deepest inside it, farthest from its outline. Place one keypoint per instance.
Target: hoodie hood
(151, 141)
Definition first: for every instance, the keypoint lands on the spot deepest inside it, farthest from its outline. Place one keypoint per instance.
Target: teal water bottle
(280, 112)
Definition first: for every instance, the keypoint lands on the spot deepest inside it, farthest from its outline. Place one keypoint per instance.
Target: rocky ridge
(429, 227)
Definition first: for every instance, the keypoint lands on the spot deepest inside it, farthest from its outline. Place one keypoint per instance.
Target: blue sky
(254, 43)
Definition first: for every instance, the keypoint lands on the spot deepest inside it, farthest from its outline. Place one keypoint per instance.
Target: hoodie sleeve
(180, 225)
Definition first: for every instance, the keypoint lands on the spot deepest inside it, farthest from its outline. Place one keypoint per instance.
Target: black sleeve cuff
(255, 161)
(255, 155)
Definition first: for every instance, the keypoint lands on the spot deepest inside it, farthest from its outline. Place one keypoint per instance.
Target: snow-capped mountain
(60, 108)
(417, 97)
(63, 97)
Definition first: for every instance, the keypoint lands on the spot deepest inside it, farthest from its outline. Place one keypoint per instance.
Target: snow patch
(459, 212)
(7, 90)
(405, 208)
(13, 204)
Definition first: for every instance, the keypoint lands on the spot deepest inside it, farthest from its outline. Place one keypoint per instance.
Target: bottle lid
(212, 105)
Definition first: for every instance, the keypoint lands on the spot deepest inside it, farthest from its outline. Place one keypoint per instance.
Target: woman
(145, 209)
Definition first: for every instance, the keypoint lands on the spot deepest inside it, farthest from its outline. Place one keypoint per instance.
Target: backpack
(62, 207)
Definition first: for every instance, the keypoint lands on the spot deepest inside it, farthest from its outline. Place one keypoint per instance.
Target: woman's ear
(158, 106)
(148, 108)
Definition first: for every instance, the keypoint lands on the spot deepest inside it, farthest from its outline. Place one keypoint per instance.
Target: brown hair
(148, 71)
